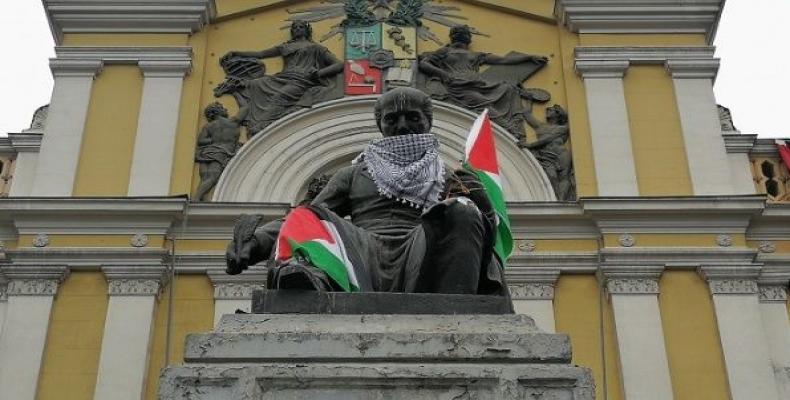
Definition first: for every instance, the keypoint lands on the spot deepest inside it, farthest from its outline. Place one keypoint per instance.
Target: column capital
(531, 291)
(693, 69)
(34, 281)
(165, 68)
(3, 290)
(127, 280)
(601, 69)
(236, 287)
(773, 293)
(631, 280)
(731, 279)
(64, 67)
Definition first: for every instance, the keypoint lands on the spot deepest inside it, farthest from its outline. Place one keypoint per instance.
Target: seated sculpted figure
(409, 223)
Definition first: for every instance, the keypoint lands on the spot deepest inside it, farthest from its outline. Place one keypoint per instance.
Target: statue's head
(215, 110)
(301, 30)
(556, 115)
(404, 111)
(461, 34)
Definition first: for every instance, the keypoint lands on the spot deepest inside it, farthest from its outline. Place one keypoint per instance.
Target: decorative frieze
(34, 281)
(134, 287)
(773, 293)
(235, 290)
(32, 287)
(733, 286)
(532, 291)
(3, 292)
(130, 280)
(632, 286)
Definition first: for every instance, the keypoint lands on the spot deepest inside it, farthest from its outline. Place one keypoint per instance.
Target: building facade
(668, 266)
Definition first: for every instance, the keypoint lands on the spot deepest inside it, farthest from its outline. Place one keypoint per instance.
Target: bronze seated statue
(407, 222)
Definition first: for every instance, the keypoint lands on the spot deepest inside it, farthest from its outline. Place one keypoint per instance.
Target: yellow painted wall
(696, 363)
(193, 312)
(125, 39)
(656, 136)
(108, 142)
(71, 356)
(558, 245)
(577, 313)
(91, 240)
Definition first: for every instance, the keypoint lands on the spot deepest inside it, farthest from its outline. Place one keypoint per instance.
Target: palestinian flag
(480, 158)
(318, 241)
(784, 151)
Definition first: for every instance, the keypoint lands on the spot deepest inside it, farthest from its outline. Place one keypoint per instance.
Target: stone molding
(26, 142)
(34, 281)
(165, 68)
(86, 68)
(629, 16)
(632, 286)
(132, 280)
(626, 240)
(4, 291)
(128, 16)
(739, 142)
(680, 62)
(87, 257)
(153, 61)
(270, 168)
(601, 69)
(773, 293)
(532, 291)
(236, 287)
(733, 286)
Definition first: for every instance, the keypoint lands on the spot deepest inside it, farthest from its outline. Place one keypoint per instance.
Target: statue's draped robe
(273, 96)
(397, 248)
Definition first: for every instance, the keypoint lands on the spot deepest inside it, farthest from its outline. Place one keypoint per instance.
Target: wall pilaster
(234, 292)
(533, 294)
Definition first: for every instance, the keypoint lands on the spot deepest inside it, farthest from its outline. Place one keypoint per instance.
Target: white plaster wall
(640, 340)
(22, 344)
(741, 173)
(62, 140)
(24, 174)
(542, 311)
(152, 162)
(777, 331)
(705, 150)
(745, 347)
(613, 155)
(125, 348)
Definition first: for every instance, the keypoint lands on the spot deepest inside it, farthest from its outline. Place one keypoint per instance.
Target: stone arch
(275, 165)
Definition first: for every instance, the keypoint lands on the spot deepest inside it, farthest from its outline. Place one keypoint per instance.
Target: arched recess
(276, 164)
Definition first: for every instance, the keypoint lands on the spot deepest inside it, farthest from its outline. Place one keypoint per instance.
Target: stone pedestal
(320, 356)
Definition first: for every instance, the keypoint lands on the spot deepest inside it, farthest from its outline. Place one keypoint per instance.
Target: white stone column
(533, 295)
(613, 154)
(127, 331)
(234, 292)
(152, 161)
(699, 120)
(633, 293)
(62, 141)
(27, 146)
(743, 340)
(773, 309)
(31, 291)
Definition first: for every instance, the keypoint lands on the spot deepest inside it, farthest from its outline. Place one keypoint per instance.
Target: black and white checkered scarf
(406, 168)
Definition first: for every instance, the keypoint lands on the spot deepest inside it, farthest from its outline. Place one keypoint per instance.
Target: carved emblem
(361, 78)
(527, 246)
(139, 240)
(767, 247)
(41, 240)
(724, 240)
(626, 240)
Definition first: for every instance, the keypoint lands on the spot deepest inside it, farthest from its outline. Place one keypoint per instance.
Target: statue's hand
(468, 185)
(243, 249)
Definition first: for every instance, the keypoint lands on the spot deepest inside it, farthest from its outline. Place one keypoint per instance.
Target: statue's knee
(464, 212)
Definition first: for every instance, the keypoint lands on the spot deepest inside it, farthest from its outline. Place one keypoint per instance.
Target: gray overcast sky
(754, 79)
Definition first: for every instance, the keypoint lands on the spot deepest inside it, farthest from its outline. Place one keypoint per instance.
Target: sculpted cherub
(550, 150)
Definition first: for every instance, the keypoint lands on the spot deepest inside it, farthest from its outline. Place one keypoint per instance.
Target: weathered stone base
(366, 357)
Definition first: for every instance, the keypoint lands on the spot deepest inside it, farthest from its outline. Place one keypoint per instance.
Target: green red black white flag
(304, 234)
(480, 158)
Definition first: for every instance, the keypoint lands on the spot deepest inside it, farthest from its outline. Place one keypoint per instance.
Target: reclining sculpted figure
(414, 225)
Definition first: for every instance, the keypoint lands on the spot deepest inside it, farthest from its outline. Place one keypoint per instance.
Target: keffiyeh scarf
(407, 168)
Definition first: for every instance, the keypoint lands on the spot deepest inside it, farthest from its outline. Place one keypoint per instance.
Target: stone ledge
(308, 302)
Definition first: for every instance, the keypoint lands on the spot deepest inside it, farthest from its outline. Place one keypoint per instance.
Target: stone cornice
(765, 147)
(693, 69)
(25, 142)
(87, 257)
(738, 143)
(215, 220)
(127, 16)
(601, 69)
(679, 61)
(547, 220)
(134, 280)
(676, 257)
(772, 224)
(629, 16)
(699, 214)
(34, 280)
(153, 61)
(521, 265)
(731, 279)
(75, 67)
